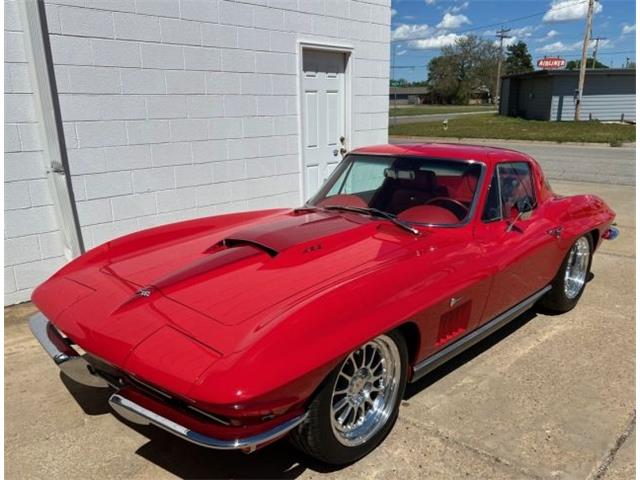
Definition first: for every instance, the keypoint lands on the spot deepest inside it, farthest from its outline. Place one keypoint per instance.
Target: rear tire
(364, 391)
(569, 283)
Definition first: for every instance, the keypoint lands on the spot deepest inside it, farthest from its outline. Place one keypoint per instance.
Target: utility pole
(501, 34)
(627, 63)
(595, 49)
(583, 63)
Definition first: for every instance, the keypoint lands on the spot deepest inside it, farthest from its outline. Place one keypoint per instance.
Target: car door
(522, 249)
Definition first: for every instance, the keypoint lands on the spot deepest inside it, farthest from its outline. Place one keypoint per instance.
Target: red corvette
(236, 330)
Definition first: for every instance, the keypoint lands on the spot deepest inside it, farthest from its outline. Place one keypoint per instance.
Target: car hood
(217, 288)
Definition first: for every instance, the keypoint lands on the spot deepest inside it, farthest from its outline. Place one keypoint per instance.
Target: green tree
(518, 59)
(575, 64)
(469, 64)
(399, 82)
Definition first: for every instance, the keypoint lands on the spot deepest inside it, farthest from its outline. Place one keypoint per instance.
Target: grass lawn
(430, 109)
(512, 128)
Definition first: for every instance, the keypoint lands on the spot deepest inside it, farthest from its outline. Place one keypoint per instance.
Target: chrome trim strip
(61, 352)
(139, 414)
(460, 345)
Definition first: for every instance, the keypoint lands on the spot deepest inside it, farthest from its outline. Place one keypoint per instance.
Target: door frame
(347, 50)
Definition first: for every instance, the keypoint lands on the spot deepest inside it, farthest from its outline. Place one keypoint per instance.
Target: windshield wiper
(376, 212)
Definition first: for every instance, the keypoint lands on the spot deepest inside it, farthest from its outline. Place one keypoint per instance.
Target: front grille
(119, 379)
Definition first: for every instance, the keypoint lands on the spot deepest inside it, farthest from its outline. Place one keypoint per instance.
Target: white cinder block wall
(32, 241)
(175, 109)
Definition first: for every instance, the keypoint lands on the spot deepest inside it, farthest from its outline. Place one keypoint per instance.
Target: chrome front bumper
(77, 368)
(138, 414)
(62, 353)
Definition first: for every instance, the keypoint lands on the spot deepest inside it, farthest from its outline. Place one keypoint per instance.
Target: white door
(323, 115)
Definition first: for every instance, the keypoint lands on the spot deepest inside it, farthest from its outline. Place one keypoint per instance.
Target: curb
(628, 145)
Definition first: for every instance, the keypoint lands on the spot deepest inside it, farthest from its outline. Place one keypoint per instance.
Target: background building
(549, 95)
(408, 95)
(173, 109)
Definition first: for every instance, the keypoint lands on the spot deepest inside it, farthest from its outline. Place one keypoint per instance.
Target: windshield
(412, 189)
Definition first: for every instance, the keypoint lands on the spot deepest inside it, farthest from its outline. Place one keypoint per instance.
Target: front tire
(358, 404)
(569, 283)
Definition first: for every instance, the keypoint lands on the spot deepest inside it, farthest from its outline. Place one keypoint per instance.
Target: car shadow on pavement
(278, 460)
(186, 460)
(92, 400)
(464, 357)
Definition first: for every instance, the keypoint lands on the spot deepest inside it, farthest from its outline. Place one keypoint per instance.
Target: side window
(492, 210)
(515, 183)
(510, 183)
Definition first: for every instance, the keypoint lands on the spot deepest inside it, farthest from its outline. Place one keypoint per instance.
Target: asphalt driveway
(546, 397)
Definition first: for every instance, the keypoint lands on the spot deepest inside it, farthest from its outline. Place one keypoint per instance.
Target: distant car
(234, 330)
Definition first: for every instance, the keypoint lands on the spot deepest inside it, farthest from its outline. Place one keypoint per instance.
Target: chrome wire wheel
(575, 275)
(365, 391)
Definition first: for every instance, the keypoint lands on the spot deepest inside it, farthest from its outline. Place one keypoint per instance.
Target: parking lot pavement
(546, 397)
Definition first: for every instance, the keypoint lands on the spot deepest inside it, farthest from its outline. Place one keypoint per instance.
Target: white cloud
(557, 47)
(436, 42)
(406, 31)
(459, 8)
(393, 12)
(567, 10)
(401, 52)
(554, 47)
(548, 36)
(449, 21)
(506, 42)
(524, 32)
(628, 29)
(430, 2)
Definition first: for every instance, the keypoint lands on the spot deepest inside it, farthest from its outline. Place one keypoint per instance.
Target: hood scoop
(240, 242)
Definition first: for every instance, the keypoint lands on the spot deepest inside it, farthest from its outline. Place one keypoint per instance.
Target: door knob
(335, 152)
(343, 150)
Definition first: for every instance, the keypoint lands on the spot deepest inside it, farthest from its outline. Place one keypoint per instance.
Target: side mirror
(523, 206)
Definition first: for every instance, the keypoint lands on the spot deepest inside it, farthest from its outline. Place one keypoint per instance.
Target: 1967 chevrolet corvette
(235, 330)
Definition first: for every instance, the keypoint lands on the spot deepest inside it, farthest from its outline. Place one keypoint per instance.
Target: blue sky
(419, 28)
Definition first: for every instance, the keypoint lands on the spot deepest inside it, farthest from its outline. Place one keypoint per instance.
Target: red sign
(550, 63)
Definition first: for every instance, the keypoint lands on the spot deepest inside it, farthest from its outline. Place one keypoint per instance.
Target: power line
(491, 25)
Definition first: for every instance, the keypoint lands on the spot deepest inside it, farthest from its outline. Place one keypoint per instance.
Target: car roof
(452, 151)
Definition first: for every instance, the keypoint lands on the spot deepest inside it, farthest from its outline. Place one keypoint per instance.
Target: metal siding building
(549, 95)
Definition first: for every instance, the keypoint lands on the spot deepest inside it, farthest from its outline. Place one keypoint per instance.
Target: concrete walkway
(546, 397)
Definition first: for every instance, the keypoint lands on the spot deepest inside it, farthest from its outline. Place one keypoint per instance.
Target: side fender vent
(453, 323)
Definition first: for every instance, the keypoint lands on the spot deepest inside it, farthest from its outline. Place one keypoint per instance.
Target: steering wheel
(459, 206)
